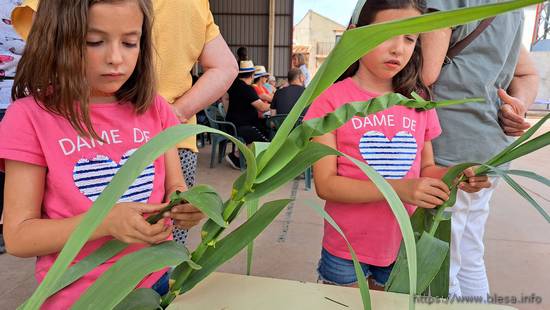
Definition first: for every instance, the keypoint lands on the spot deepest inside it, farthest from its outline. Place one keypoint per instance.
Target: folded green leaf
(251, 208)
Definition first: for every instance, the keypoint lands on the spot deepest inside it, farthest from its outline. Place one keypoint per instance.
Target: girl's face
(113, 45)
(390, 57)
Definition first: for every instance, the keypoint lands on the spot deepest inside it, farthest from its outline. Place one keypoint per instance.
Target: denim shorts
(162, 285)
(340, 271)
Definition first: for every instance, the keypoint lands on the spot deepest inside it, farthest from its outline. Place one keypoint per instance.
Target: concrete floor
(517, 238)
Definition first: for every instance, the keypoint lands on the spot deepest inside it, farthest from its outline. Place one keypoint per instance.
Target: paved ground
(517, 239)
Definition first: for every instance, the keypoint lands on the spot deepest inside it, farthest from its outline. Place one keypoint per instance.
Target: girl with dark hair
(395, 142)
(84, 102)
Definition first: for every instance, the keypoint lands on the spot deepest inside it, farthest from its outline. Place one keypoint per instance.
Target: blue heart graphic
(92, 176)
(391, 158)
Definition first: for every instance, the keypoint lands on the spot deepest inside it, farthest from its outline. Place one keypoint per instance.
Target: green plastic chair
(219, 143)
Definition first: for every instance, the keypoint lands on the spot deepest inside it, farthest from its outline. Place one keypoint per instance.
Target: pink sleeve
(433, 129)
(18, 138)
(167, 115)
(320, 107)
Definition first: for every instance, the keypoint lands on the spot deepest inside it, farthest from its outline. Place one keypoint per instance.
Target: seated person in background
(260, 79)
(285, 98)
(244, 105)
(270, 85)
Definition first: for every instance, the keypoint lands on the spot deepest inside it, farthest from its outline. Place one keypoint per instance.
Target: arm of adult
(519, 96)
(220, 70)
(260, 105)
(435, 45)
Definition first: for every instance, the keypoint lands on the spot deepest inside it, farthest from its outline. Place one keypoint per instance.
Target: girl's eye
(132, 45)
(94, 43)
(411, 38)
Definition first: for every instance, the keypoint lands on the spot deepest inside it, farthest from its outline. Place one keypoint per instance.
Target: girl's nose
(114, 57)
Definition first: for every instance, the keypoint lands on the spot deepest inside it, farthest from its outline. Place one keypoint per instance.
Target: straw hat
(246, 66)
(260, 71)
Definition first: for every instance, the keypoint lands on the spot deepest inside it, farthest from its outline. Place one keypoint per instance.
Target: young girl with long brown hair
(84, 102)
(395, 142)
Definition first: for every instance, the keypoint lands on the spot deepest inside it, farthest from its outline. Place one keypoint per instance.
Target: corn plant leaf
(523, 149)
(300, 136)
(308, 156)
(357, 42)
(431, 253)
(134, 266)
(513, 184)
(361, 279)
(251, 208)
(440, 284)
(530, 175)
(206, 199)
(259, 147)
(493, 161)
(234, 242)
(140, 299)
(111, 194)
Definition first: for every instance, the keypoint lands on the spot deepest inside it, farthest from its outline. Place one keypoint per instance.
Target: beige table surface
(232, 291)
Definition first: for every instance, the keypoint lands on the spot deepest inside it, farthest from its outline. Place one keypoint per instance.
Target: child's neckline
(103, 100)
(363, 90)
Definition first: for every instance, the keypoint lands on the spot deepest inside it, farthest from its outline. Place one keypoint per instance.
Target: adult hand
(186, 215)
(511, 115)
(126, 223)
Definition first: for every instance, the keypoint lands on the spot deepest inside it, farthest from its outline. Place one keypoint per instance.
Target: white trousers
(469, 215)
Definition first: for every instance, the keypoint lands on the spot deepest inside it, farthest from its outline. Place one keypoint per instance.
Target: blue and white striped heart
(391, 158)
(92, 176)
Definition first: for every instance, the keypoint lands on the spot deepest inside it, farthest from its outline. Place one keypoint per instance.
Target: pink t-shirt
(391, 142)
(80, 168)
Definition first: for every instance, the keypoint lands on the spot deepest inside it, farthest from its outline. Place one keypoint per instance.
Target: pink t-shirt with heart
(391, 142)
(80, 168)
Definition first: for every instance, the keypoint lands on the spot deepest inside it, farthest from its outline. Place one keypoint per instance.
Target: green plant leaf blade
(134, 266)
(233, 243)
(440, 284)
(431, 253)
(140, 299)
(361, 279)
(205, 198)
(530, 175)
(513, 184)
(251, 208)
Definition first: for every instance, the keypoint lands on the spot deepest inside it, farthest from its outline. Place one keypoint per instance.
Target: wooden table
(232, 291)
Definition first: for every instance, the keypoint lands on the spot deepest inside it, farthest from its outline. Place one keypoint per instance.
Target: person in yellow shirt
(184, 34)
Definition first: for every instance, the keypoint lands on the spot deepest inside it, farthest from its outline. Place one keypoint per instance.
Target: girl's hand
(126, 223)
(423, 192)
(474, 183)
(186, 216)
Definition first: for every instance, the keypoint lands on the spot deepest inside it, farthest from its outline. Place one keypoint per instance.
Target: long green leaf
(300, 136)
(431, 253)
(140, 299)
(251, 208)
(523, 149)
(530, 175)
(513, 184)
(361, 279)
(206, 199)
(440, 284)
(518, 141)
(357, 42)
(229, 246)
(110, 195)
(134, 266)
(301, 161)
